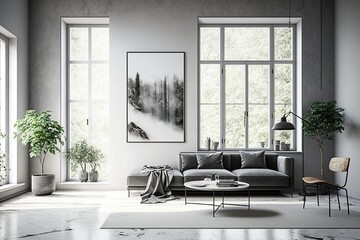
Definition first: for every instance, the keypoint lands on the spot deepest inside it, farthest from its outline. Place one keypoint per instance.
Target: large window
(4, 67)
(88, 90)
(246, 76)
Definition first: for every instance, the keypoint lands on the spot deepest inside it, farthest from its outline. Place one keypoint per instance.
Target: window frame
(271, 62)
(4, 115)
(90, 101)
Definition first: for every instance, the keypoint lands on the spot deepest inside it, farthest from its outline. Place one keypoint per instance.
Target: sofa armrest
(286, 165)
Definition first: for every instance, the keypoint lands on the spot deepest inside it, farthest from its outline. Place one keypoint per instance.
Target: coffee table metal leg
(248, 199)
(222, 199)
(185, 195)
(213, 203)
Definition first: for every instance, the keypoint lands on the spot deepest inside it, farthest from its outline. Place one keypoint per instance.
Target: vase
(83, 176)
(93, 175)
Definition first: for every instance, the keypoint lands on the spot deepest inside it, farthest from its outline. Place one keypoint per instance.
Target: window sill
(8, 187)
(73, 183)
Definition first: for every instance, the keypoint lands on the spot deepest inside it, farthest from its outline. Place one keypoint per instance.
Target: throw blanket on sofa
(157, 188)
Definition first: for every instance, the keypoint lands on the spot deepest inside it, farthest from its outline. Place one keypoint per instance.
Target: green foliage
(42, 134)
(2, 160)
(82, 153)
(324, 119)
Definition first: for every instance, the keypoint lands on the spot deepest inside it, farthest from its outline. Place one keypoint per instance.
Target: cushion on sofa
(210, 160)
(188, 161)
(262, 177)
(200, 174)
(136, 178)
(253, 159)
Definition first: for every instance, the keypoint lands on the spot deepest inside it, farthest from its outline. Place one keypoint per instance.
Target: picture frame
(155, 83)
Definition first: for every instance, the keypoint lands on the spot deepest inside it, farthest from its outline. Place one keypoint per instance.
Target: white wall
(14, 16)
(164, 25)
(347, 86)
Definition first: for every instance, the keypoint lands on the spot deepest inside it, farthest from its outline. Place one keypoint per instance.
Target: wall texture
(14, 17)
(165, 25)
(347, 85)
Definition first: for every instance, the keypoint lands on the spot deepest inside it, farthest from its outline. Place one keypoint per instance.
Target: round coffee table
(211, 186)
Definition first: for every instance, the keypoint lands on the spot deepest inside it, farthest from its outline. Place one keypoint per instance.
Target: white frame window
(4, 102)
(221, 64)
(89, 99)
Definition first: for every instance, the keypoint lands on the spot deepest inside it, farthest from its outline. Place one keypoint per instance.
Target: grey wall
(14, 16)
(347, 85)
(165, 25)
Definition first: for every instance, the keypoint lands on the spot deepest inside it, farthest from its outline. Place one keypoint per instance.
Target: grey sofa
(279, 174)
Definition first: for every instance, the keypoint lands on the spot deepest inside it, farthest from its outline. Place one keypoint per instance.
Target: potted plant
(77, 154)
(44, 136)
(324, 119)
(94, 158)
(2, 162)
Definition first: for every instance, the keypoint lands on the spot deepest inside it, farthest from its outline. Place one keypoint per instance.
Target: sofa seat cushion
(200, 174)
(262, 177)
(138, 179)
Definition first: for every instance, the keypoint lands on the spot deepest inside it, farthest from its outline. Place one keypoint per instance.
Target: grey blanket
(157, 188)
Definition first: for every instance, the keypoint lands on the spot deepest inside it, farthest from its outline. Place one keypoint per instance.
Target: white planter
(43, 184)
(93, 176)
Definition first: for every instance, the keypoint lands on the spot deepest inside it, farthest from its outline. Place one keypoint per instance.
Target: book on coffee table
(227, 183)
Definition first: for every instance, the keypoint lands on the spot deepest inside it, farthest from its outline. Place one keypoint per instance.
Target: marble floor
(80, 214)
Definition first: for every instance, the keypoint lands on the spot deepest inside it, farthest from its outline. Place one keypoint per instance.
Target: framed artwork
(155, 95)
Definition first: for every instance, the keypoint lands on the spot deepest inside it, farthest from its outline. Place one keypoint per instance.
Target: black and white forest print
(155, 85)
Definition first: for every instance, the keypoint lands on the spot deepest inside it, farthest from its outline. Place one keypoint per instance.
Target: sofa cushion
(188, 161)
(136, 178)
(262, 177)
(210, 160)
(253, 159)
(200, 174)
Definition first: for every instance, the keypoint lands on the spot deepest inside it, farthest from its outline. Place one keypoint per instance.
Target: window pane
(100, 133)
(246, 43)
(100, 44)
(78, 121)
(283, 43)
(209, 123)
(283, 98)
(79, 42)
(78, 81)
(259, 105)
(100, 81)
(209, 83)
(78, 129)
(209, 43)
(235, 106)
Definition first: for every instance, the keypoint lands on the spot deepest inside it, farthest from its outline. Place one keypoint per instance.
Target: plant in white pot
(94, 159)
(78, 155)
(44, 135)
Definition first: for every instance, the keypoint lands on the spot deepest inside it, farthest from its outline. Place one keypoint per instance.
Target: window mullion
(272, 88)
(246, 115)
(222, 139)
(89, 120)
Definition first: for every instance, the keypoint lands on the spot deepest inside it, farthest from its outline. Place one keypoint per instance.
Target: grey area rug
(231, 217)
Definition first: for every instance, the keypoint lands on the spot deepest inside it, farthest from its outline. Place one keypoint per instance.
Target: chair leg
(329, 203)
(337, 193)
(317, 194)
(347, 200)
(304, 196)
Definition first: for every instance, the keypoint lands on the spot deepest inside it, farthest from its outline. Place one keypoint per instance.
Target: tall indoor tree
(323, 121)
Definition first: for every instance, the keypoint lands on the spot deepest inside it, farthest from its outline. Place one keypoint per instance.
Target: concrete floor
(80, 214)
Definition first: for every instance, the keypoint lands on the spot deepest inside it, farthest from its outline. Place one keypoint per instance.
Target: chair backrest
(339, 164)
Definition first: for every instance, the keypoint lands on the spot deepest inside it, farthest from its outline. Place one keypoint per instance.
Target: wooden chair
(337, 164)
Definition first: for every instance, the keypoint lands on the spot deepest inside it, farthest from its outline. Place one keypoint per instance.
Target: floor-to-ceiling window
(4, 69)
(246, 82)
(87, 92)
